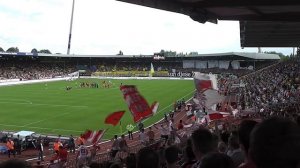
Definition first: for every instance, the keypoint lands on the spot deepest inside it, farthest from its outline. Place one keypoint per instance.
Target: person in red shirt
(56, 146)
(180, 125)
(62, 155)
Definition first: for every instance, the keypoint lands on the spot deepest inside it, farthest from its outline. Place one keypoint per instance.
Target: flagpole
(71, 26)
(121, 131)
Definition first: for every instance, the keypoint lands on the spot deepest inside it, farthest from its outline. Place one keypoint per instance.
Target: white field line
(42, 128)
(45, 119)
(18, 100)
(41, 104)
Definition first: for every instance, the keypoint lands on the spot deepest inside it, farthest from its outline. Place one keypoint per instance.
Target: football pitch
(48, 108)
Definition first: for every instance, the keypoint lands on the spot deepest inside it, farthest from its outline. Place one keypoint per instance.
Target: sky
(106, 26)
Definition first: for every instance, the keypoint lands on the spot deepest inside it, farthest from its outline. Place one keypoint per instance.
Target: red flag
(87, 134)
(114, 118)
(137, 104)
(93, 137)
(217, 116)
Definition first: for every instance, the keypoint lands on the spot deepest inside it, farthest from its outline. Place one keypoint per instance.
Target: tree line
(34, 50)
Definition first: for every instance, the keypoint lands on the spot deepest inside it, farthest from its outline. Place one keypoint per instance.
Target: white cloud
(107, 26)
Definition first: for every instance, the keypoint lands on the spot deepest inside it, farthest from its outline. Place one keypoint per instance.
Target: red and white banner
(93, 137)
(204, 81)
(137, 104)
(154, 107)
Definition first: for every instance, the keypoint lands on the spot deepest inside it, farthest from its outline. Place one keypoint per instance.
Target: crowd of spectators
(30, 70)
(272, 143)
(274, 90)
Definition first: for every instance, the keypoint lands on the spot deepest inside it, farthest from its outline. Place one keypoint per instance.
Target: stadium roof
(277, 30)
(241, 10)
(270, 34)
(262, 56)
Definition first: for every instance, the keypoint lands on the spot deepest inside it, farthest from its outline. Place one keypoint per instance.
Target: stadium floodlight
(71, 25)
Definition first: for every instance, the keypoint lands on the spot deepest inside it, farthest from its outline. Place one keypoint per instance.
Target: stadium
(232, 109)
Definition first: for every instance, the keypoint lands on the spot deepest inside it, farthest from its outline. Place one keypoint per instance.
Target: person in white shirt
(82, 155)
(172, 131)
(164, 132)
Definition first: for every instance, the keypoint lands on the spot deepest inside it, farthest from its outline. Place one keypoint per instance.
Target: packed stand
(274, 90)
(30, 70)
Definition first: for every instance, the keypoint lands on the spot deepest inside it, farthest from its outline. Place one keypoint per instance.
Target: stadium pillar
(71, 25)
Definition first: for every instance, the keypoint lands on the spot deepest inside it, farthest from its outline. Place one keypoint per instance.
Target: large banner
(213, 64)
(235, 64)
(201, 64)
(137, 104)
(188, 64)
(181, 74)
(224, 64)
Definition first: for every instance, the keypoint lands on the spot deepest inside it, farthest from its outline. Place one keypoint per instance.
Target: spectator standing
(62, 155)
(164, 132)
(71, 144)
(166, 117)
(93, 151)
(140, 126)
(10, 147)
(180, 125)
(123, 144)
(172, 131)
(18, 145)
(40, 149)
(56, 146)
(115, 147)
(82, 155)
(143, 137)
(130, 128)
(151, 135)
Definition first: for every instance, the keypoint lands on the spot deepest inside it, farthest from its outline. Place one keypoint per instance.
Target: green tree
(181, 54)
(34, 51)
(12, 50)
(45, 51)
(170, 53)
(167, 53)
(194, 53)
(282, 56)
(1, 49)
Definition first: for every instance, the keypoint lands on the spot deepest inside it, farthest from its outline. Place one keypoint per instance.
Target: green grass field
(48, 108)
